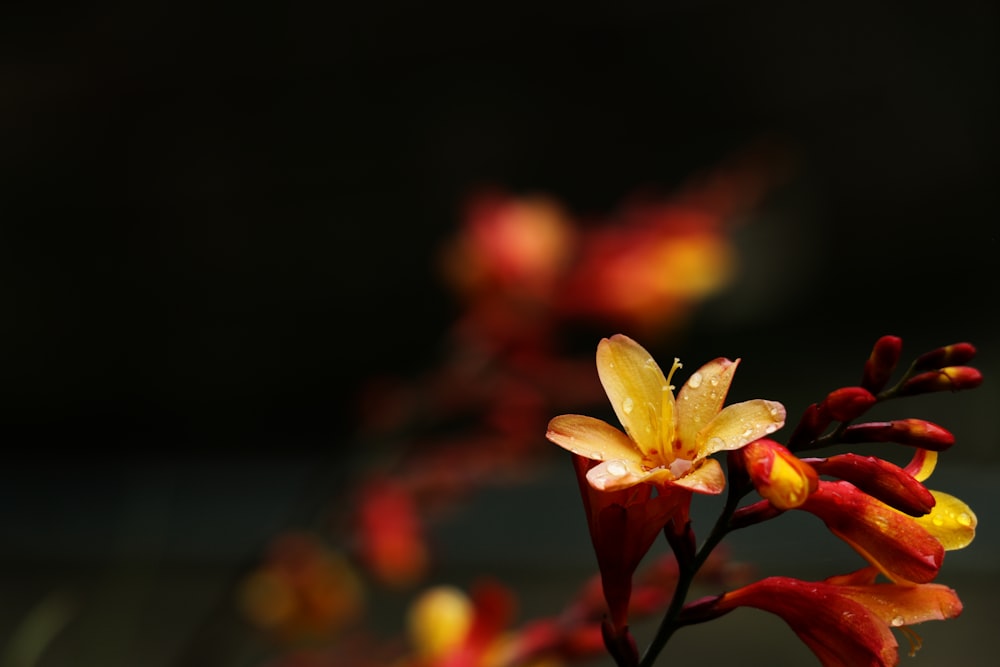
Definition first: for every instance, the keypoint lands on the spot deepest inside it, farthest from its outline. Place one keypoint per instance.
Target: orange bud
(881, 363)
(778, 475)
(912, 432)
(848, 403)
(949, 355)
(949, 378)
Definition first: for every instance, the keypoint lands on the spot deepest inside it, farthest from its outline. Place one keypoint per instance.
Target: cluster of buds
(638, 483)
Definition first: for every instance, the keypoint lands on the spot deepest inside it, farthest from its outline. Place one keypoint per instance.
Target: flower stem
(686, 574)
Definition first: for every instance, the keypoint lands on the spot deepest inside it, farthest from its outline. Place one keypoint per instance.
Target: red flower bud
(953, 378)
(913, 432)
(949, 355)
(881, 363)
(879, 479)
(848, 403)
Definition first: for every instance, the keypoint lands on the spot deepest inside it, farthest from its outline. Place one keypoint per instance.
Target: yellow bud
(438, 621)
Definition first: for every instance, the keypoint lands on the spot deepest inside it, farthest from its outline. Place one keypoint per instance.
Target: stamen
(915, 641)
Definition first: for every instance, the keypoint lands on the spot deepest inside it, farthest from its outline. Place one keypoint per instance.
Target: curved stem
(685, 577)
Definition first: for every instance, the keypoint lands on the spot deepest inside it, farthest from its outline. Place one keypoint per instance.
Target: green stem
(685, 577)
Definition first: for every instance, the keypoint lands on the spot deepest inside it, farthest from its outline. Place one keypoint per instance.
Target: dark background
(216, 220)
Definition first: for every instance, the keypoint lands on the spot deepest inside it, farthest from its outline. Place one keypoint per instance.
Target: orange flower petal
(706, 477)
(635, 385)
(700, 400)
(591, 438)
(617, 474)
(739, 424)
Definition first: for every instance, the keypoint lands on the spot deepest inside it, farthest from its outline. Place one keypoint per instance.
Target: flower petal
(591, 438)
(906, 605)
(739, 424)
(922, 465)
(706, 477)
(701, 398)
(635, 385)
(951, 521)
(616, 475)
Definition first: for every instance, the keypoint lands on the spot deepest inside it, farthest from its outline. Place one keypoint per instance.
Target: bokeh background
(219, 220)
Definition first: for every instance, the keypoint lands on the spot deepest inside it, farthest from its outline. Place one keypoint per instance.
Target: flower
(668, 441)
(623, 525)
(846, 620)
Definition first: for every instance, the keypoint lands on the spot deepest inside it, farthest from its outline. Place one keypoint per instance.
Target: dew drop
(770, 428)
(747, 433)
(617, 469)
(937, 521)
(715, 383)
(964, 519)
(713, 395)
(716, 443)
(897, 621)
(627, 405)
(694, 381)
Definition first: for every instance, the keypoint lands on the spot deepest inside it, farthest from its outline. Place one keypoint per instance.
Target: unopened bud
(777, 474)
(881, 363)
(848, 403)
(913, 432)
(949, 355)
(949, 378)
(879, 479)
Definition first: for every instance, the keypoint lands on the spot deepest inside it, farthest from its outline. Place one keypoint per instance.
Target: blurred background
(229, 233)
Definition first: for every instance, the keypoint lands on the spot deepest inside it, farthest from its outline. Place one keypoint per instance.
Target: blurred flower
(449, 629)
(390, 533)
(669, 442)
(647, 272)
(518, 246)
(302, 591)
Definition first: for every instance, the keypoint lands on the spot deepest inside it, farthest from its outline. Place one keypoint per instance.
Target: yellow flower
(667, 441)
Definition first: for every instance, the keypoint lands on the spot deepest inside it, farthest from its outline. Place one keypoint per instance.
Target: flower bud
(949, 378)
(879, 479)
(848, 403)
(778, 475)
(881, 363)
(949, 355)
(912, 432)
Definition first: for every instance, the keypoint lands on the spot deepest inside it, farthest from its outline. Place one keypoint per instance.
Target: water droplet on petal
(715, 383)
(747, 433)
(617, 469)
(694, 381)
(716, 444)
(964, 519)
(770, 428)
(897, 621)
(627, 405)
(937, 521)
